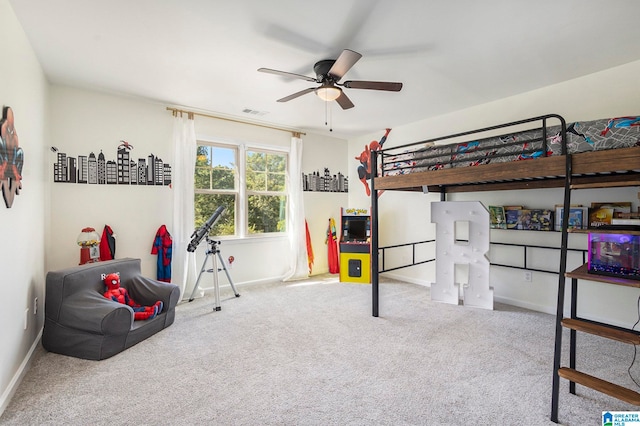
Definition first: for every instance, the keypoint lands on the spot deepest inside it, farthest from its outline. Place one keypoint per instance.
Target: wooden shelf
(631, 178)
(603, 231)
(602, 331)
(600, 385)
(582, 273)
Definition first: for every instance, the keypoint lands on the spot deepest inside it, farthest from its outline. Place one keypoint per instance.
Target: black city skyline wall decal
(325, 182)
(92, 169)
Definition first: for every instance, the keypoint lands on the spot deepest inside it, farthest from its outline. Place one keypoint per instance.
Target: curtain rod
(190, 114)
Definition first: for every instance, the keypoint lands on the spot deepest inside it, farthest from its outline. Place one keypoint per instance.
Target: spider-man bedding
(582, 136)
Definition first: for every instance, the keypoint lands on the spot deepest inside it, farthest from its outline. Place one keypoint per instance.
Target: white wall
(320, 152)
(405, 217)
(85, 121)
(23, 87)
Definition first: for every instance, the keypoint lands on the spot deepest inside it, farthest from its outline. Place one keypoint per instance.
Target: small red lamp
(88, 241)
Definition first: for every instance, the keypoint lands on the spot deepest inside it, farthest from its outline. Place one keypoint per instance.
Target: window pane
(256, 161)
(203, 178)
(277, 163)
(203, 156)
(267, 213)
(276, 182)
(215, 168)
(223, 179)
(256, 181)
(206, 204)
(203, 168)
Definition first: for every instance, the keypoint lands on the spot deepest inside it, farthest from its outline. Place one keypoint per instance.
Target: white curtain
(298, 263)
(184, 160)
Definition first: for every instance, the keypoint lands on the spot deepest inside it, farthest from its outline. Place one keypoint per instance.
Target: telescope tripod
(212, 251)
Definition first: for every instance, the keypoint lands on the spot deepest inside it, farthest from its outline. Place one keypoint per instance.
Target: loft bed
(548, 154)
(516, 159)
(534, 153)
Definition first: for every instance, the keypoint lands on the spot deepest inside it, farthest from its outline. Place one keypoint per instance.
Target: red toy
(121, 295)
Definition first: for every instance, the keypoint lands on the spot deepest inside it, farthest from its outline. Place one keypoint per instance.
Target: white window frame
(242, 194)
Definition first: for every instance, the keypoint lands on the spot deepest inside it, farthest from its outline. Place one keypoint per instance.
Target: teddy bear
(121, 295)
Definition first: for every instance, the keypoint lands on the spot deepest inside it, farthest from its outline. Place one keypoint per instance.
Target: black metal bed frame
(524, 266)
(375, 267)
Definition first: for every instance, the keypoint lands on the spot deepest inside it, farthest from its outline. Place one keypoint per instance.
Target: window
(216, 184)
(250, 183)
(266, 191)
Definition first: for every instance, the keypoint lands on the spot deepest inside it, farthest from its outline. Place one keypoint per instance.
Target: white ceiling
(204, 54)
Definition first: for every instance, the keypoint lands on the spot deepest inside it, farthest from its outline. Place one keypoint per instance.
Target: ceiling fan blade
(287, 74)
(374, 85)
(344, 101)
(297, 94)
(344, 63)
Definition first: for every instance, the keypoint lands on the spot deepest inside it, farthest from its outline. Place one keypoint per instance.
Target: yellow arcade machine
(355, 246)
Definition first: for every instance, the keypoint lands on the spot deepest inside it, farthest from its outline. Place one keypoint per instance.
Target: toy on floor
(121, 295)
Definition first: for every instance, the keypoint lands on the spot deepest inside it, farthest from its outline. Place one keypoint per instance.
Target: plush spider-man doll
(121, 295)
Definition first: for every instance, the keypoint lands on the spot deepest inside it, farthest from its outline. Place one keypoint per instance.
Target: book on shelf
(578, 217)
(622, 221)
(602, 213)
(632, 215)
(497, 217)
(530, 219)
(537, 220)
(600, 216)
(620, 207)
(511, 217)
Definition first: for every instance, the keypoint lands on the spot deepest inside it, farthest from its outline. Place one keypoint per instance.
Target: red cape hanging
(332, 245)
(310, 257)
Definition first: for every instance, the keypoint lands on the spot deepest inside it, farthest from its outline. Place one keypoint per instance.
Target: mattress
(582, 136)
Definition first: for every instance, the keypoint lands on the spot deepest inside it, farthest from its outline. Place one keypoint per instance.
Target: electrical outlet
(26, 318)
(528, 276)
(35, 306)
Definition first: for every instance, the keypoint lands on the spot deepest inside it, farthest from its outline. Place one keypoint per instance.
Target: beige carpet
(310, 353)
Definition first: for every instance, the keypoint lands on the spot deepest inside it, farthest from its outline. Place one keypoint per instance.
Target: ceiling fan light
(328, 93)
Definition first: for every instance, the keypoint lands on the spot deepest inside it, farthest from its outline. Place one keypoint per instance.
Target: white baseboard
(406, 279)
(17, 378)
(522, 304)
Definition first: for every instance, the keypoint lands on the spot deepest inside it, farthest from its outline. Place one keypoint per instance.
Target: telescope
(203, 231)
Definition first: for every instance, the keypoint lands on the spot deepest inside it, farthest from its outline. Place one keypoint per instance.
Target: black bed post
(555, 386)
(374, 234)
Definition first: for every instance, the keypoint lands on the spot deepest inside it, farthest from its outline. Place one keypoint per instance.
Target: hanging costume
(107, 244)
(334, 262)
(310, 257)
(162, 246)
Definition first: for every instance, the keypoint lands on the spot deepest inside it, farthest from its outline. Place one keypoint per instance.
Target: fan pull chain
(327, 111)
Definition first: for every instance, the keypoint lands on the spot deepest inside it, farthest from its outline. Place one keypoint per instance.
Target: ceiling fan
(328, 74)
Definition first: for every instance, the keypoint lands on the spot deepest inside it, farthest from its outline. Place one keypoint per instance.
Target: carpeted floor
(310, 353)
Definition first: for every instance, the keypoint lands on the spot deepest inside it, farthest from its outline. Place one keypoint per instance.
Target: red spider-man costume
(120, 295)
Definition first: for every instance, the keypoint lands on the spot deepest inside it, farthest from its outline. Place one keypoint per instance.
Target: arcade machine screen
(356, 230)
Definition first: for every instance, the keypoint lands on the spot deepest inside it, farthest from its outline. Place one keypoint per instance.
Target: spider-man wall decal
(11, 158)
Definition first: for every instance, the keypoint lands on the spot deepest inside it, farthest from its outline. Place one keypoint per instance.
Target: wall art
(11, 158)
(364, 168)
(325, 182)
(124, 170)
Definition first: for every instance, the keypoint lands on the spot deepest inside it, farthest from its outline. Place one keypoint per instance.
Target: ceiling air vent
(254, 112)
